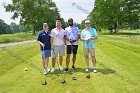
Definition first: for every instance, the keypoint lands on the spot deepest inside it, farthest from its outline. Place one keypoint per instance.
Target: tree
(19, 28)
(111, 14)
(34, 12)
(4, 28)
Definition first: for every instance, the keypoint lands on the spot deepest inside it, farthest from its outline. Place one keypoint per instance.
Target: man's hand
(42, 44)
(52, 46)
(93, 38)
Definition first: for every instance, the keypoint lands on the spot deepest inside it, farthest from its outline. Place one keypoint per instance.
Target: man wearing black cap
(72, 35)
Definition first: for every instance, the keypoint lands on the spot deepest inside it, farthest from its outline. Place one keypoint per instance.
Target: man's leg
(92, 53)
(74, 59)
(87, 60)
(54, 57)
(61, 54)
(60, 60)
(68, 57)
(53, 62)
(67, 60)
(43, 63)
(94, 61)
(86, 54)
(46, 61)
(75, 48)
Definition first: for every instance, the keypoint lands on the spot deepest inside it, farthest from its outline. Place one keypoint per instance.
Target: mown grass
(117, 64)
(18, 37)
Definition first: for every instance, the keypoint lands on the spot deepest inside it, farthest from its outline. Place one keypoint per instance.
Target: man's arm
(41, 43)
(93, 38)
(81, 37)
(66, 38)
(52, 44)
(39, 40)
(78, 37)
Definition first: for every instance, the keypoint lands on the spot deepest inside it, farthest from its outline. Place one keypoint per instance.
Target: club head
(63, 81)
(44, 83)
(74, 78)
(88, 76)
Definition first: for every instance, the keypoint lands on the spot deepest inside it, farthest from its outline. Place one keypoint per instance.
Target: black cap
(70, 19)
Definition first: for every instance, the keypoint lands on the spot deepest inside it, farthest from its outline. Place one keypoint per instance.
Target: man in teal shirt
(88, 35)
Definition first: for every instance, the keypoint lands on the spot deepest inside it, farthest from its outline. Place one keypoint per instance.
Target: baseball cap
(70, 19)
(87, 21)
(45, 24)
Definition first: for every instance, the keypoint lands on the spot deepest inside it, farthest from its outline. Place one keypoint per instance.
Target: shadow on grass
(82, 70)
(106, 71)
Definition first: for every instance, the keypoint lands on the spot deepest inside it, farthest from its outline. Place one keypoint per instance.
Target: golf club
(44, 82)
(63, 78)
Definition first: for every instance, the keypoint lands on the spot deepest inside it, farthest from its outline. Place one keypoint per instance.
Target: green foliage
(114, 14)
(34, 12)
(19, 28)
(4, 28)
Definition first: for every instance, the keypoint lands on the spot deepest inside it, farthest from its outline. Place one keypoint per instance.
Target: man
(45, 45)
(72, 35)
(57, 45)
(88, 35)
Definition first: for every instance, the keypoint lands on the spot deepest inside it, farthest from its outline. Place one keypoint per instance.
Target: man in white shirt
(57, 45)
(72, 35)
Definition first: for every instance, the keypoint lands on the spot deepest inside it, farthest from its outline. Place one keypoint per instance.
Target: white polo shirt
(72, 33)
(58, 36)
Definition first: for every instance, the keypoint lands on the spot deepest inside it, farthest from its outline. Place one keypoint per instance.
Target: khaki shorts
(58, 50)
(90, 51)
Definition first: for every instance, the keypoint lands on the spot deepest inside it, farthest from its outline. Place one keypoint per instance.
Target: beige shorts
(90, 51)
(58, 50)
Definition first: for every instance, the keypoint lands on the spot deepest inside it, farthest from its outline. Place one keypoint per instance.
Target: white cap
(45, 24)
(87, 21)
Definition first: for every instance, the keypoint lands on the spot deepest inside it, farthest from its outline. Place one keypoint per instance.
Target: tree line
(12, 28)
(116, 14)
(35, 12)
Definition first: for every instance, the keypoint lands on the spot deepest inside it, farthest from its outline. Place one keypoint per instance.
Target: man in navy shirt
(45, 46)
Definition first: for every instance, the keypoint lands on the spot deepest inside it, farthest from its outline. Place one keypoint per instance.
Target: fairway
(118, 66)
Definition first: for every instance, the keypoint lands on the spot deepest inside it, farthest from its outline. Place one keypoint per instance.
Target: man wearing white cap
(88, 35)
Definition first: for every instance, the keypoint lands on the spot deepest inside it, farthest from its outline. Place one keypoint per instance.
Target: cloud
(77, 11)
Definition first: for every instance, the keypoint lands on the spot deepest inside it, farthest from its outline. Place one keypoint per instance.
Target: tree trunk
(33, 30)
(117, 27)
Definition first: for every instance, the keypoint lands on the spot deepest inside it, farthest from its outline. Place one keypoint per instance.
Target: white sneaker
(52, 70)
(61, 68)
(49, 70)
(45, 72)
(87, 69)
(94, 70)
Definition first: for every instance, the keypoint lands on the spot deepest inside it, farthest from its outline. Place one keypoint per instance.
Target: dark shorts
(72, 48)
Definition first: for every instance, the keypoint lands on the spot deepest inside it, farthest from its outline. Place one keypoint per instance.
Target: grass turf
(17, 37)
(117, 64)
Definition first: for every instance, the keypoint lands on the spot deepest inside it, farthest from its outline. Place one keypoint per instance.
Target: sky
(76, 9)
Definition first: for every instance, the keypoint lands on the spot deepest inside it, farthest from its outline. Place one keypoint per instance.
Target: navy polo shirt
(44, 37)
